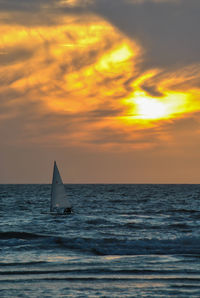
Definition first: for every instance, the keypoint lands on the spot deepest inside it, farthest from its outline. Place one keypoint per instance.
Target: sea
(123, 240)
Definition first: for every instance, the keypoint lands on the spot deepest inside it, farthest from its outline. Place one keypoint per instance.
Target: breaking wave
(102, 246)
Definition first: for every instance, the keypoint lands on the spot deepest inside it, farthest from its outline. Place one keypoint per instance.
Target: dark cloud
(103, 112)
(15, 55)
(169, 31)
(151, 90)
(24, 5)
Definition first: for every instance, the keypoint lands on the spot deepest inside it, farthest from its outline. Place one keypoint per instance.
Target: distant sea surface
(121, 241)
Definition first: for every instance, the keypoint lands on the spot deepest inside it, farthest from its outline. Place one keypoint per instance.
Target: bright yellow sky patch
(147, 108)
(168, 106)
(111, 60)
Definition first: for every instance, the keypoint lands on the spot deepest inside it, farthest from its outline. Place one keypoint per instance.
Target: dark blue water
(122, 241)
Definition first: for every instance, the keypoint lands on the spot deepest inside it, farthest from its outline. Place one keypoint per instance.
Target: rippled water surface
(121, 241)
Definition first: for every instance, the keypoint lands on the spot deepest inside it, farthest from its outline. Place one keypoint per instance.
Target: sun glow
(150, 108)
(171, 104)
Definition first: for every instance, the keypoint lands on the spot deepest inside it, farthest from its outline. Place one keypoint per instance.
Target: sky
(110, 89)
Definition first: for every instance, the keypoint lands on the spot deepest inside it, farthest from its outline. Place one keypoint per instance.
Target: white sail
(58, 194)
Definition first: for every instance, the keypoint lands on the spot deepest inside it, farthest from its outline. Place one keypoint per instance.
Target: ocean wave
(97, 221)
(138, 247)
(18, 264)
(100, 271)
(103, 246)
(19, 235)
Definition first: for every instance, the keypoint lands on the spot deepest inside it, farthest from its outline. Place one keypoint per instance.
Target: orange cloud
(83, 83)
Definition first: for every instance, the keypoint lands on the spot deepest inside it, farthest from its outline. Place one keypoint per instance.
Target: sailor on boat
(68, 210)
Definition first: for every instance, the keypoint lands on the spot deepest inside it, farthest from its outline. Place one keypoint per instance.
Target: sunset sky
(110, 89)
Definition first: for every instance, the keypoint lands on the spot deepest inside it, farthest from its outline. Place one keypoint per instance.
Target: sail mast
(53, 178)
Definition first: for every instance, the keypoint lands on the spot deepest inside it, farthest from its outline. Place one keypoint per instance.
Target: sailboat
(59, 201)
